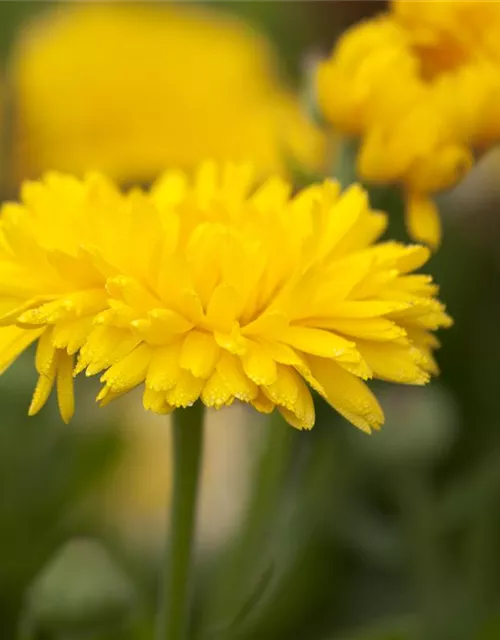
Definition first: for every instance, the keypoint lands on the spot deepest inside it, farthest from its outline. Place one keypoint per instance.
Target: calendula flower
(130, 90)
(214, 290)
(419, 87)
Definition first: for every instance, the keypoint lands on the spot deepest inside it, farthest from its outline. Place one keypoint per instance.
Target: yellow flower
(449, 34)
(420, 87)
(130, 90)
(214, 290)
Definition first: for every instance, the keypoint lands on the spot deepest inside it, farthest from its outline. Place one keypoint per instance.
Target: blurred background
(330, 534)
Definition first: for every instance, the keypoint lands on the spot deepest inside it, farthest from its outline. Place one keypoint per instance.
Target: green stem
(344, 169)
(187, 447)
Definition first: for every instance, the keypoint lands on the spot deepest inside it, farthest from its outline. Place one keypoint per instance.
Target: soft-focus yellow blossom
(130, 90)
(420, 87)
(214, 290)
(449, 34)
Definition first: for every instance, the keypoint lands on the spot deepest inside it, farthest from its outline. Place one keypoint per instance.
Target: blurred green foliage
(46, 472)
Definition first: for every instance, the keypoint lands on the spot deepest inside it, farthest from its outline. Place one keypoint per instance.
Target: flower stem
(187, 447)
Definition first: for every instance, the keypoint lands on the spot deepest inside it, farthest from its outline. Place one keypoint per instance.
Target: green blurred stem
(187, 448)
(344, 169)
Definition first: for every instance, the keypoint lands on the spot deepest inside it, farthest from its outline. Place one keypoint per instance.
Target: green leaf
(46, 470)
(81, 588)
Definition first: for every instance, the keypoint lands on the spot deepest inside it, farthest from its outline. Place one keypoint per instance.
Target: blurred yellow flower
(420, 87)
(214, 290)
(449, 34)
(129, 90)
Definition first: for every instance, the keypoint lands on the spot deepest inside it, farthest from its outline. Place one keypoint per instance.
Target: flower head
(420, 87)
(159, 86)
(214, 289)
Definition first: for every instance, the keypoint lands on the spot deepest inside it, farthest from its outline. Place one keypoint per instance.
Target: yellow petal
(293, 398)
(161, 327)
(105, 396)
(347, 394)
(188, 304)
(170, 321)
(104, 347)
(11, 309)
(382, 157)
(71, 334)
(342, 218)
(237, 181)
(258, 365)
(262, 403)
(233, 342)
(216, 393)
(231, 371)
(47, 313)
(13, 341)
(366, 308)
(271, 326)
(283, 353)
(272, 195)
(359, 369)
(155, 401)
(132, 292)
(42, 389)
(129, 371)
(206, 183)
(45, 352)
(65, 391)
(223, 308)
(340, 280)
(442, 170)
(394, 362)
(199, 353)
(170, 188)
(318, 342)
(186, 391)
(164, 368)
(365, 328)
(422, 219)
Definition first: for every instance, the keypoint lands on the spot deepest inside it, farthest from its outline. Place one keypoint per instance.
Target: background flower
(130, 89)
(421, 92)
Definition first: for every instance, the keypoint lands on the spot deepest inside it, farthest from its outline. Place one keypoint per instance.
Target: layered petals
(214, 290)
